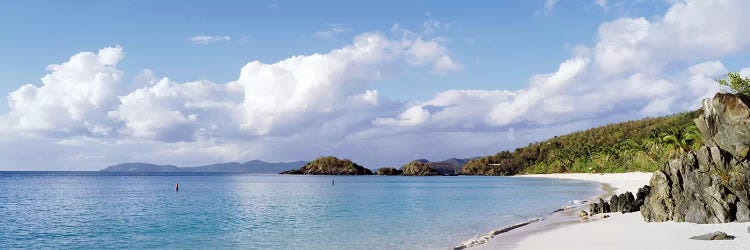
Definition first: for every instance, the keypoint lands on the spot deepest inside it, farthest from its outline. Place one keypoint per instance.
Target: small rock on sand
(718, 235)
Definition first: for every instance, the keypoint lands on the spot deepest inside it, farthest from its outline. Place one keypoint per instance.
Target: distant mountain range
(255, 166)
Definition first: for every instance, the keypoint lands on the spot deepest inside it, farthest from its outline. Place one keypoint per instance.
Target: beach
(619, 231)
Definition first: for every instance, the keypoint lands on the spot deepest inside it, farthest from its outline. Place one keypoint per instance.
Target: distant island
(255, 166)
(330, 165)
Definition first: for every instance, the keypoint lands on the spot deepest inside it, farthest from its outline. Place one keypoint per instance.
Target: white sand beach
(621, 231)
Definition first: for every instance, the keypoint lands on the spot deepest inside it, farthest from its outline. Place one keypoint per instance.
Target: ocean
(96, 210)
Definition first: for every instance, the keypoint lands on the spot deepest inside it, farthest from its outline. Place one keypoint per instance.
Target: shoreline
(619, 231)
(560, 218)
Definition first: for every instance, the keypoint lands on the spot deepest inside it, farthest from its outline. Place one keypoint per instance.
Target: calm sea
(136, 211)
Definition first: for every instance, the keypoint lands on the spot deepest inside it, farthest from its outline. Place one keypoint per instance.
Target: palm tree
(679, 141)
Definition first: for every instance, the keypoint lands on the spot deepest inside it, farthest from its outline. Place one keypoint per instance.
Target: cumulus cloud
(623, 73)
(82, 96)
(205, 40)
(688, 32)
(72, 98)
(327, 103)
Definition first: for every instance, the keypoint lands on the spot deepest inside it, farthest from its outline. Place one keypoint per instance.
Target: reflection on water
(106, 210)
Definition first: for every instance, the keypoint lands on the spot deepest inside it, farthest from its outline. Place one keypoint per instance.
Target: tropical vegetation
(737, 83)
(641, 145)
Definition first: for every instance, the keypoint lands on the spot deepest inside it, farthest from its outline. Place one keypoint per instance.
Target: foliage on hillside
(641, 145)
(388, 171)
(418, 168)
(329, 165)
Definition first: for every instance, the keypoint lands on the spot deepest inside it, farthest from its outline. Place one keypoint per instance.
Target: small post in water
(177, 187)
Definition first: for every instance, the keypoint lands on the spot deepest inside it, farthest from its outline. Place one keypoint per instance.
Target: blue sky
(501, 42)
(496, 73)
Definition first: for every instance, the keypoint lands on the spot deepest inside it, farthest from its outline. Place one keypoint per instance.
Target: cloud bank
(311, 105)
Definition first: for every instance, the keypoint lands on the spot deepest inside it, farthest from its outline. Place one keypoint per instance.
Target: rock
(709, 185)
(625, 203)
(388, 171)
(583, 214)
(418, 168)
(642, 192)
(614, 203)
(724, 123)
(330, 165)
(718, 235)
(605, 216)
(594, 208)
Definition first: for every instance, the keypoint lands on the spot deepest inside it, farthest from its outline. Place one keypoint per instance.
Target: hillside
(641, 145)
(255, 166)
(450, 166)
(141, 167)
(330, 165)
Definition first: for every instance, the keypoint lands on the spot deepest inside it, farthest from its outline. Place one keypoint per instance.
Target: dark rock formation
(709, 185)
(624, 203)
(718, 235)
(330, 165)
(388, 171)
(418, 168)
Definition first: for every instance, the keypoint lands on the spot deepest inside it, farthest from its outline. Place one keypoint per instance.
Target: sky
(90, 84)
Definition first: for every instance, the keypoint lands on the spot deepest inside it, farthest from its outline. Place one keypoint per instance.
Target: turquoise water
(106, 210)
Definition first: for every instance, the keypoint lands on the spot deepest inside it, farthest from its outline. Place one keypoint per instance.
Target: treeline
(641, 145)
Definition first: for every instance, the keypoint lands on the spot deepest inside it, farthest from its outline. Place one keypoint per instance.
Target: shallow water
(111, 210)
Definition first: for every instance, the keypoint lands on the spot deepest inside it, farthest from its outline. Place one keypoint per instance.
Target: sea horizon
(221, 210)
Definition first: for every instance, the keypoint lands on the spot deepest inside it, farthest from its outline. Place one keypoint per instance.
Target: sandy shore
(620, 231)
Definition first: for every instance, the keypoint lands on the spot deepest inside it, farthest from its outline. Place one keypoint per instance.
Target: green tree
(737, 83)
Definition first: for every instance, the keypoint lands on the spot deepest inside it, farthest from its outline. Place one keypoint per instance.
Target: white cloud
(205, 40)
(71, 99)
(332, 31)
(300, 88)
(318, 104)
(623, 73)
(549, 5)
(688, 32)
(82, 96)
(601, 3)
(745, 72)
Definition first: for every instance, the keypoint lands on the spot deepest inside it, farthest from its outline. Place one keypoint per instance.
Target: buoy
(177, 187)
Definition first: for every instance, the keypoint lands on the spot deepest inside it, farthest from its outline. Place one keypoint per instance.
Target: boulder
(718, 235)
(709, 185)
(724, 123)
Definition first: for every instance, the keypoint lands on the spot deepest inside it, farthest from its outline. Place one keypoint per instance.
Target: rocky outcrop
(710, 185)
(388, 171)
(624, 203)
(725, 123)
(418, 168)
(330, 165)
